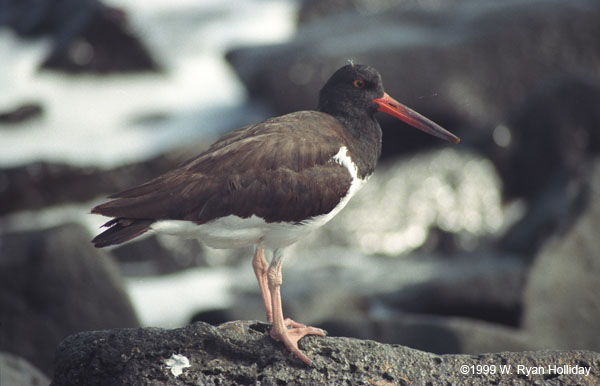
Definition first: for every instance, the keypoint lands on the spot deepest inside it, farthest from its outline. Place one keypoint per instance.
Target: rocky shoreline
(488, 247)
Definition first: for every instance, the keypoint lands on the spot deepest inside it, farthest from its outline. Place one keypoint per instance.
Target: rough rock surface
(242, 353)
(53, 284)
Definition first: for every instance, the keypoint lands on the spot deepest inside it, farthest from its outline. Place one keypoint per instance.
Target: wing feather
(275, 170)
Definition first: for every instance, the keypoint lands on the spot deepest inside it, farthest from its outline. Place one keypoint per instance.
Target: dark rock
(150, 256)
(551, 132)
(561, 302)
(462, 66)
(87, 36)
(54, 283)
(160, 254)
(243, 353)
(41, 184)
(213, 316)
(549, 141)
(16, 371)
(431, 333)
(21, 113)
(103, 46)
(58, 18)
(479, 287)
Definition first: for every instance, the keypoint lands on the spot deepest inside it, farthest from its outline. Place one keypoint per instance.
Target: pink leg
(286, 331)
(259, 264)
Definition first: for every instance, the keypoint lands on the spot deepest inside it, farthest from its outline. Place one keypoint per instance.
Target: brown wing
(279, 170)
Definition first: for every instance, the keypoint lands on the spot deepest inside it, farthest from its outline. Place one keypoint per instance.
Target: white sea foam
(91, 120)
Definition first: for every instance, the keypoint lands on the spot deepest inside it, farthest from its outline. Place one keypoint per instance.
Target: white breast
(234, 232)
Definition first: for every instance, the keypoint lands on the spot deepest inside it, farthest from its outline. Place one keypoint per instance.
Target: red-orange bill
(390, 106)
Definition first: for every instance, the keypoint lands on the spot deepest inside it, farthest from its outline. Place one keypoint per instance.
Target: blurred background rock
(487, 246)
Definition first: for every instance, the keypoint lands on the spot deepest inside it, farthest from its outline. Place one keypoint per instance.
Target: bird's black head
(350, 91)
(354, 93)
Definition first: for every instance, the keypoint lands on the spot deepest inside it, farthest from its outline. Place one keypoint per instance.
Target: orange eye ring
(358, 83)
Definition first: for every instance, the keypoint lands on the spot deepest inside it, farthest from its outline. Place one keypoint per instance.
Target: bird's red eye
(358, 83)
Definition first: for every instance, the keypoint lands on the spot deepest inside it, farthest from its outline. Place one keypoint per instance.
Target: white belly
(235, 232)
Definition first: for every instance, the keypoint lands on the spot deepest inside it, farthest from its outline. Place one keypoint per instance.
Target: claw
(290, 336)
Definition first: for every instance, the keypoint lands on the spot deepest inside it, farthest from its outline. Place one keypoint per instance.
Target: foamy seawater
(92, 120)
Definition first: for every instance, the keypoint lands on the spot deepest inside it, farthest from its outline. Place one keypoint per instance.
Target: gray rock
(561, 301)
(16, 371)
(242, 353)
(322, 284)
(432, 333)
(54, 283)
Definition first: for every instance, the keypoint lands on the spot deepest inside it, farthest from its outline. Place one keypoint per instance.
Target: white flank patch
(235, 232)
(177, 363)
(343, 159)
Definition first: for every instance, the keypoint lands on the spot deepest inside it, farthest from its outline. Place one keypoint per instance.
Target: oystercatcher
(269, 184)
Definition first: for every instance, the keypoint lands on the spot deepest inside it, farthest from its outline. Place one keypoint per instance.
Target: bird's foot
(291, 333)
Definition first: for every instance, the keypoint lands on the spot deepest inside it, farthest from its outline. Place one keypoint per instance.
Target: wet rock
(464, 65)
(87, 36)
(54, 283)
(21, 113)
(16, 371)
(243, 353)
(561, 302)
(447, 201)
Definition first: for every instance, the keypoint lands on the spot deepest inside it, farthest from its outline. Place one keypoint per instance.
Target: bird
(270, 184)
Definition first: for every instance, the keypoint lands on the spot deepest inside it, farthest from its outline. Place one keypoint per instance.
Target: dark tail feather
(121, 230)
